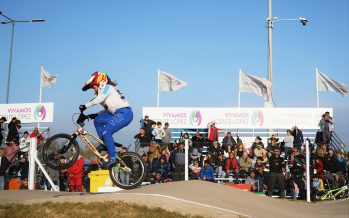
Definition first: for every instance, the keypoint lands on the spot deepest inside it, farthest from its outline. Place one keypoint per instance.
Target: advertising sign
(28, 112)
(241, 118)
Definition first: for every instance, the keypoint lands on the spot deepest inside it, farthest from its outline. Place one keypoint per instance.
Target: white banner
(238, 118)
(28, 112)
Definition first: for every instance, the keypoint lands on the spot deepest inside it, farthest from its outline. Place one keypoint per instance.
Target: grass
(99, 209)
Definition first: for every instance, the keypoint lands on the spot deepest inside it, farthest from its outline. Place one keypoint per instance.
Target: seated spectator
(229, 141)
(245, 163)
(215, 150)
(258, 152)
(273, 137)
(36, 134)
(254, 182)
(226, 151)
(257, 141)
(165, 152)
(198, 141)
(321, 151)
(157, 179)
(207, 172)
(195, 155)
(144, 142)
(219, 166)
(24, 184)
(259, 163)
(271, 147)
(240, 150)
(318, 187)
(232, 165)
(319, 166)
(195, 169)
(154, 151)
(161, 166)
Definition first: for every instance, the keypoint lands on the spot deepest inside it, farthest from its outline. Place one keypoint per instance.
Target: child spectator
(75, 173)
(159, 133)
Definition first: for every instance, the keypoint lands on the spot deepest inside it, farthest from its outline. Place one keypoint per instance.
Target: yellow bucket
(98, 179)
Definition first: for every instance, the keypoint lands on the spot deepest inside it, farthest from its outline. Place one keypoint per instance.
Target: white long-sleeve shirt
(110, 98)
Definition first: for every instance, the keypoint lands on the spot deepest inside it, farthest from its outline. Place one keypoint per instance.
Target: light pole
(13, 22)
(270, 21)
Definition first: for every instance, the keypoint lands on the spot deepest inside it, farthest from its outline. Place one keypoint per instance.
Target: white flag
(169, 83)
(325, 83)
(47, 79)
(259, 86)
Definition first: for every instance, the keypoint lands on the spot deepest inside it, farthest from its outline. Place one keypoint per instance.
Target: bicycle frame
(82, 135)
(330, 196)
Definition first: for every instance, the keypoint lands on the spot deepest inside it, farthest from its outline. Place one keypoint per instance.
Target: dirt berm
(196, 198)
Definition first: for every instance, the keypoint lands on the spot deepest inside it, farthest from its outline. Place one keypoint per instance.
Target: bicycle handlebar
(82, 117)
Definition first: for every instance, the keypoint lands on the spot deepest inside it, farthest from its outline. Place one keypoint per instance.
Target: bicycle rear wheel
(130, 172)
(60, 151)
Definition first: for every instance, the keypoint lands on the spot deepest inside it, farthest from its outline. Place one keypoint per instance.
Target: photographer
(326, 127)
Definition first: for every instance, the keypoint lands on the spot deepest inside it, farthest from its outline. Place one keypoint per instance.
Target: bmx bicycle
(338, 193)
(128, 172)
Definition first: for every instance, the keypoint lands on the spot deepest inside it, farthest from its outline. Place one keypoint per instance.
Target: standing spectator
(212, 132)
(298, 137)
(148, 166)
(2, 120)
(158, 133)
(4, 164)
(144, 142)
(12, 150)
(166, 140)
(54, 174)
(62, 176)
(36, 134)
(75, 173)
(13, 130)
(326, 127)
(228, 140)
(24, 142)
(207, 172)
(288, 140)
(23, 168)
(147, 124)
(177, 160)
(277, 163)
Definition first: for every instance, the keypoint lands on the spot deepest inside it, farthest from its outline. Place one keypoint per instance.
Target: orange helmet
(97, 78)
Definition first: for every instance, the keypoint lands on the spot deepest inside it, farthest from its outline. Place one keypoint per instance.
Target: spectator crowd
(274, 167)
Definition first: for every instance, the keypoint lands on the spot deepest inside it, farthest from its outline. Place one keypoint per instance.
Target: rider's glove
(92, 116)
(82, 107)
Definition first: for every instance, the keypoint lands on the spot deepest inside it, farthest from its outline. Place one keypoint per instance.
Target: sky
(202, 42)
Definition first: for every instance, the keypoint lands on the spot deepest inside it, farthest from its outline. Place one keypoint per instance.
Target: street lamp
(13, 22)
(270, 21)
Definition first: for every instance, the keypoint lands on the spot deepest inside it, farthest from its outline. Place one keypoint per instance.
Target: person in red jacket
(75, 173)
(38, 135)
(212, 131)
(231, 165)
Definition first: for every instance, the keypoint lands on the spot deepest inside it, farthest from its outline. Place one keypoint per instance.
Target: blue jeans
(2, 182)
(107, 124)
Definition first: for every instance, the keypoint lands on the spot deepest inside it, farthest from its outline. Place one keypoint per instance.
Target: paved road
(195, 197)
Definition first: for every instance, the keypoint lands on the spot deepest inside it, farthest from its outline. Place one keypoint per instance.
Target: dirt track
(195, 197)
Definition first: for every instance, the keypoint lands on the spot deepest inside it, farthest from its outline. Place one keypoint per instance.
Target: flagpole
(40, 95)
(239, 96)
(317, 87)
(158, 99)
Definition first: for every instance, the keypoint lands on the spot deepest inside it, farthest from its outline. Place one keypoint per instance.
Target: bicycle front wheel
(60, 151)
(130, 172)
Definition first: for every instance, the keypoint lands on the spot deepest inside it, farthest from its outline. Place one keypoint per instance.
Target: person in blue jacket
(207, 172)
